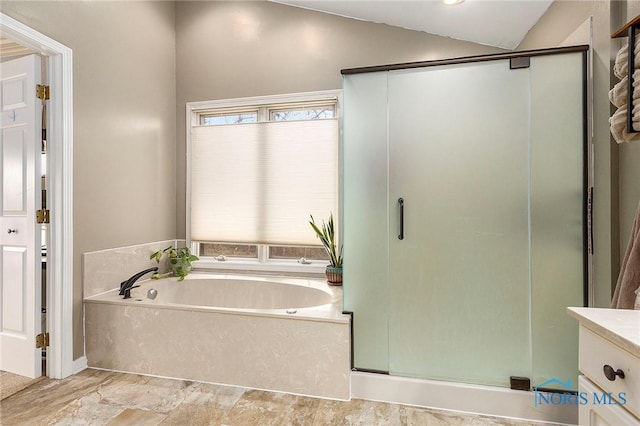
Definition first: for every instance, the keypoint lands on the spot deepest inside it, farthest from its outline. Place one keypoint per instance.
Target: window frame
(265, 104)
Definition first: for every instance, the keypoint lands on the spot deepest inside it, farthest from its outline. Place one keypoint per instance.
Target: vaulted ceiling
(499, 23)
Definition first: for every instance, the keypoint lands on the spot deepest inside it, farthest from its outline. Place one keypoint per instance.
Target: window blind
(258, 183)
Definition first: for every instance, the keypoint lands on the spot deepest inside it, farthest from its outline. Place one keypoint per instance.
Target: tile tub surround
(104, 270)
(305, 353)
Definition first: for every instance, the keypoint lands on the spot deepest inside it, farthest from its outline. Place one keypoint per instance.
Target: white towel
(618, 95)
(636, 78)
(620, 67)
(636, 112)
(624, 50)
(625, 46)
(622, 59)
(618, 125)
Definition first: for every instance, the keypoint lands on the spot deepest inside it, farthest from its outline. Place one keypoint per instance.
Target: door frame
(59, 63)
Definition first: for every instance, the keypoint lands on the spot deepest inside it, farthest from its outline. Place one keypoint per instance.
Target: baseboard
(474, 399)
(79, 364)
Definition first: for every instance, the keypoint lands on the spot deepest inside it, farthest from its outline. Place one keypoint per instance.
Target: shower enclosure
(465, 217)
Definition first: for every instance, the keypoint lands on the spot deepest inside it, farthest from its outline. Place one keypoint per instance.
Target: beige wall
(558, 23)
(236, 49)
(124, 121)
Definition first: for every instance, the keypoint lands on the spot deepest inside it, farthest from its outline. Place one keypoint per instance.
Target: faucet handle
(122, 287)
(127, 292)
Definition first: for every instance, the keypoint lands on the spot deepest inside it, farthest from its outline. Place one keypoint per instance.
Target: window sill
(254, 266)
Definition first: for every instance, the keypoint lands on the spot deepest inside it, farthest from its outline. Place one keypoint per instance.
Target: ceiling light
(452, 2)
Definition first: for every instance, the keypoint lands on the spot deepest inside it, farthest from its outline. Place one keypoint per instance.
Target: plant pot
(334, 275)
(180, 267)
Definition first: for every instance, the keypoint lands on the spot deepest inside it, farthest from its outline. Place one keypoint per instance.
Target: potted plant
(179, 260)
(327, 235)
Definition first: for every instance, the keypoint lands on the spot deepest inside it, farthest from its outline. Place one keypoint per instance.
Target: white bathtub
(280, 334)
(239, 292)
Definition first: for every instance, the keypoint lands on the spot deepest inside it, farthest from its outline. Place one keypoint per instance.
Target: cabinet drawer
(595, 353)
(601, 415)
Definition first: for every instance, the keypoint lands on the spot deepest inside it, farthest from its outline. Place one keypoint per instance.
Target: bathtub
(279, 334)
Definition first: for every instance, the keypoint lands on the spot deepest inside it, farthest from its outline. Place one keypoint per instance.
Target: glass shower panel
(459, 280)
(557, 164)
(365, 216)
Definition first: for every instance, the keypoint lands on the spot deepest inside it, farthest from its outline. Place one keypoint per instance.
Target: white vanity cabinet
(609, 360)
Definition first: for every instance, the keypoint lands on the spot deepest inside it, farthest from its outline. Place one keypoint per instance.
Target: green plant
(179, 260)
(326, 233)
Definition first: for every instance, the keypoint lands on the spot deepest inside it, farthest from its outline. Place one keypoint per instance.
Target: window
(257, 168)
(320, 112)
(220, 118)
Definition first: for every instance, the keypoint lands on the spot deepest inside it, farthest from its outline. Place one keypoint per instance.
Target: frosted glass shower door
(490, 165)
(459, 278)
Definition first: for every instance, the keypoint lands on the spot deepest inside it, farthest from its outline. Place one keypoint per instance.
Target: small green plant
(326, 233)
(179, 260)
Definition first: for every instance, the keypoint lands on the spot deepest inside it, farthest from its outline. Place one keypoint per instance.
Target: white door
(20, 258)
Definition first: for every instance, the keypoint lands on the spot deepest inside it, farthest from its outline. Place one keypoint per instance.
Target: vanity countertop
(620, 326)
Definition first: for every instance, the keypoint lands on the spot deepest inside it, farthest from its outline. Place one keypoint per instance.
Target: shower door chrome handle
(401, 204)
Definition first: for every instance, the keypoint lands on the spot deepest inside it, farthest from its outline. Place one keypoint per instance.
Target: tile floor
(96, 397)
(11, 383)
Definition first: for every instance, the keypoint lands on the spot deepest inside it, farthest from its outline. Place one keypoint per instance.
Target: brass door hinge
(42, 340)
(42, 216)
(42, 92)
